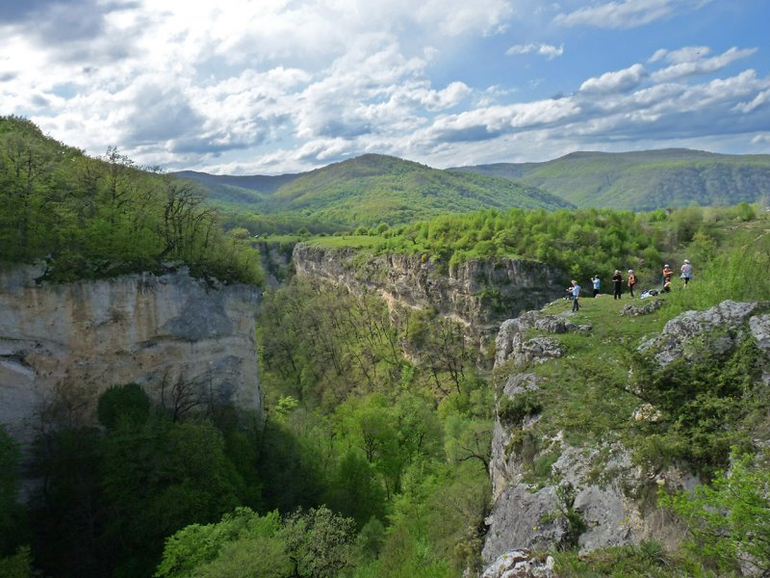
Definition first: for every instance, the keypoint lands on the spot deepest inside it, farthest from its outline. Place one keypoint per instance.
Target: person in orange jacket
(631, 282)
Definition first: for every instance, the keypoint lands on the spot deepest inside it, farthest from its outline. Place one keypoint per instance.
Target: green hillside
(238, 189)
(644, 180)
(100, 217)
(371, 189)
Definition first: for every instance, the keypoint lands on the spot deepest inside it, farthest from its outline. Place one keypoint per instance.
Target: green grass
(343, 241)
(648, 560)
(585, 392)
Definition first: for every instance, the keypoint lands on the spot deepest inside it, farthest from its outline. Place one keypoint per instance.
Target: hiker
(596, 283)
(631, 282)
(617, 281)
(686, 272)
(575, 296)
(667, 272)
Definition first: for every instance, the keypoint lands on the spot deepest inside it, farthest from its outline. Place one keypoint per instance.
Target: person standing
(667, 272)
(617, 281)
(596, 283)
(686, 272)
(575, 296)
(631, 282)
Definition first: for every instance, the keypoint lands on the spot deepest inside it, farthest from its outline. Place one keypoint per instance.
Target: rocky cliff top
(558, 478)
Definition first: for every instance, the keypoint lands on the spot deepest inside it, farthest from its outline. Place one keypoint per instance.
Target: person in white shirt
(686, 272)
(575, 295)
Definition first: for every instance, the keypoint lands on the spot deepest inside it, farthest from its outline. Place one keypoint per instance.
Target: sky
(269, 87)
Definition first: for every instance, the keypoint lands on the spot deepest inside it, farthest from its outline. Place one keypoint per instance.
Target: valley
(370, 370)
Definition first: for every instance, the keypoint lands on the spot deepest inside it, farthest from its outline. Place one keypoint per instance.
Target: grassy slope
(644, 180)
(373, 188)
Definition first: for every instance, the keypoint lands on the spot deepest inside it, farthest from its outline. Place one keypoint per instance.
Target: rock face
(177, 337)
(526, 516)
(512, 343)
(481, 294)
(612, 505)
(720, 326)
(615, 504)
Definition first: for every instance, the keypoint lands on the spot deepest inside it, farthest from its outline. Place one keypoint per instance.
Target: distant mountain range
(643, 180)
(371, 189)
(374, 188)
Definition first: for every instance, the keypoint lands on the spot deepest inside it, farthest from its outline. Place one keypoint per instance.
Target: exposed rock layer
(69, 342)
(479, 293)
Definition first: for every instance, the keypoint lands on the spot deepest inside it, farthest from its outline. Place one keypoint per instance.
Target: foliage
(109, 498)
(644, 180)
(404, 444)
(574, 522)
(513, 410)
(319, 543)
(703, 403)
(312, 544)
(123, 404)
(18, 565)
(199, 549)
(648, 559)
(370, 191)
(739, 272)
(103, 217)
(729, 521)
(10, 511)
(580, 243)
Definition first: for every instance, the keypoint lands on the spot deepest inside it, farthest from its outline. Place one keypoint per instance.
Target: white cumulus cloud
(547, 50)
(692, 62)
(618, 81)
(626, 13)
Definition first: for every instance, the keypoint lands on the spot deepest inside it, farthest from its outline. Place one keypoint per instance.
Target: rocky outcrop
(716, 330)
(480, 293)
(520, 564)
(61, 345)
(597, 484)
(512, 342)
(633, 311)
(614, 507)
(533, 516)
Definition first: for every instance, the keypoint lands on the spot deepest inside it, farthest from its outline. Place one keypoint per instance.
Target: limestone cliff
(479, 293)
(61, 345)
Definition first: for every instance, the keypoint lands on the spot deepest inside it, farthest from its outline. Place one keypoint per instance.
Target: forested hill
(238, 189)
(100, 217)
(371, 189)
(644, 180)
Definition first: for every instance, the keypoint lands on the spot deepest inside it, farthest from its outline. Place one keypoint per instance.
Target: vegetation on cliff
(581, 243)
(704, 412)
(101, 217)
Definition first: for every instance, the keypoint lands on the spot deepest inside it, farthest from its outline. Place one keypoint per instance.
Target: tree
(319, 543)
(159, 477)
(312, 544)
(729, 521)
(9, 487)
(241, 544)
(123, 403)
